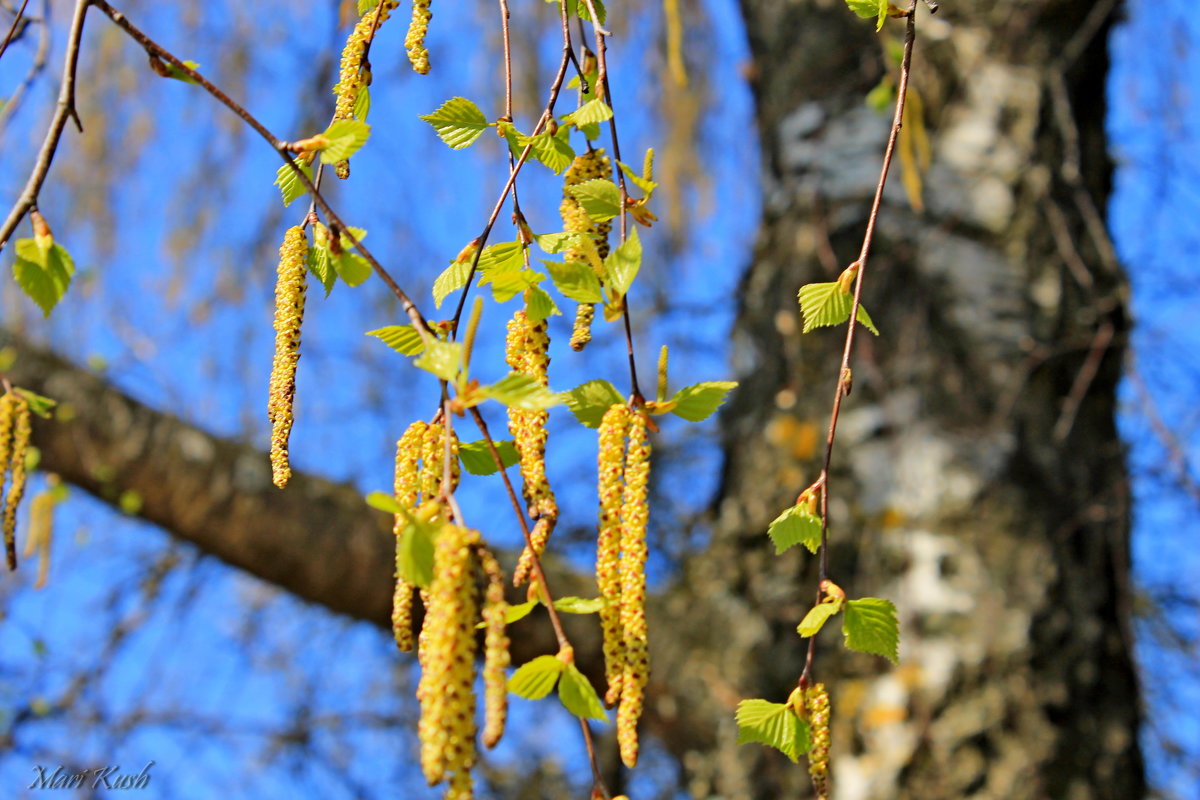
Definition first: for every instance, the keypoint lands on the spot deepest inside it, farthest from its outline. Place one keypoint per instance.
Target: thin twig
(64, 110)
(39, 63)
(12, 29)
(844, 374)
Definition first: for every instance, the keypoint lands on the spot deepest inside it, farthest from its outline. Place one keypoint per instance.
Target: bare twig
(40, 58)
(12, 29)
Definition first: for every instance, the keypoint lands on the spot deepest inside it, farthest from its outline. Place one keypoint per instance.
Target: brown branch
(64, 110)
(12, 29)
(38, 65)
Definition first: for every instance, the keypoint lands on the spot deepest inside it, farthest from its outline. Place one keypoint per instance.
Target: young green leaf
(320, 264)
(592, 112)
(175, 72)
(443, 359)
(384, 502)
(404, 339)
(590, 400)
(414, 554)
(453, 278)
(507, 285)
(553, 243)
(600, 198)
(289, 185)
(577, 694)
(817, 616)
(774, 725)
(43, 275)
(698, 401)
(352, 268)
(796, 526)
(623, 263)
(536, 679)
(870, 9)
(477, 458)
(539, 305)
(513, 613)
(579, 605)
(366, 5)
(501, 257)
(519, 390)
(38, 404)
(362, 103)
(345, 138)
(575, 281)
(646, 186)
(553, 151)
(458, 122)
(823, 304)
(871, 626)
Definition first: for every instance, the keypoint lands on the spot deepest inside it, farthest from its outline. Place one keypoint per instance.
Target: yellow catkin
(816, 706)
(8, 410)
(41, 534)
(15, 432)
(433, 458)
(351, 76)
(611, 468)
(496, 656)
(634, 516)
(408, 453)
(289, 312)
(527, 352)
(446, 689)
(589, 166)
(418, 56)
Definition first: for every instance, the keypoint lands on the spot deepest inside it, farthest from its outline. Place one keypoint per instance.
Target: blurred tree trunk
(978, 479)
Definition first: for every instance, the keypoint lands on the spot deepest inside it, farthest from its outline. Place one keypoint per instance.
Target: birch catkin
(15, 430)
(418, 56)
(816, 705)
(496, 656)
(527, 352)
(611, 468)
(446, 690)
(634, 517)
(351, 75)
(289, 312)
(405, 485)
(589, 166)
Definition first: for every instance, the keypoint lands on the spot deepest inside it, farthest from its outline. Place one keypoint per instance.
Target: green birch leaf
(414, 554)
(513, 613)
(575, 281)
(623, 263)
(698, 401)
(817, 616)
(539, 305)
(579, 605)
(553, 243)
(477, 458)
(178, 74)
(453, 278)
(823, 304)
(774, 725)
(458, 122)
(600, 198)
(507, 285)
(795, 526)
(443, 359)
(366, 5)
(382, 501)
(536, 679)
(592, 112)
(289, 185)
(320, 264)
(404, 339)
(580, 8)
(520, 391)
(577, 694)
(871, 626)
(502, 257)
(646, 186)
(352, 268)
(553, 151)
(43, 275)
(590, 400)
(362, 103)
(346, 137)
(38, 404)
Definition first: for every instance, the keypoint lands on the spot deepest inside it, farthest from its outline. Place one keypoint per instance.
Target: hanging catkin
(589, 166)
(418, 56)
(408, 453)
(816, 705)
(495, 650)
(611, 468)
(289, 312)
(634, 516)
(351, 75)
(527, 352)
(446, 689)
(15, 430)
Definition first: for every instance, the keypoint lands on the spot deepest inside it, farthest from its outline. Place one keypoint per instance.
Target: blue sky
(207, 647)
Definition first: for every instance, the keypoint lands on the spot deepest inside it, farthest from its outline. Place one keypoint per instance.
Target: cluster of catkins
(591, 165)
(290, 285)
(527, 352)
(353, 74)
(816, 707)
(446, 644)
(15, 429)
(624, 469)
